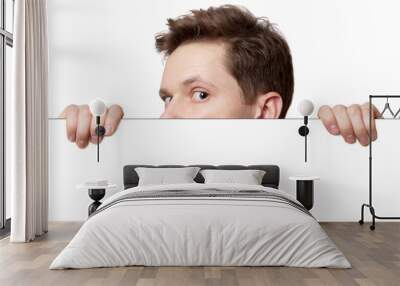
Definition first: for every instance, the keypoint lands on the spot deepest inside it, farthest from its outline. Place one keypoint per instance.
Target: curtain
(28, 120)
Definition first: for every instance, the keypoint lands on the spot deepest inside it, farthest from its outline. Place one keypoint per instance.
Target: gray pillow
(248, 177)
(165, 176)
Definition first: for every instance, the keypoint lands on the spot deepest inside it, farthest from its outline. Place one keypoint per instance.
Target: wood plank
(375, 257)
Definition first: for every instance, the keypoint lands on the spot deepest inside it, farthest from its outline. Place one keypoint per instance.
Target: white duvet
(200, 231)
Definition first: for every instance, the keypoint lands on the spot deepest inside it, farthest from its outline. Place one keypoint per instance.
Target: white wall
(343, 168)
(343, 51)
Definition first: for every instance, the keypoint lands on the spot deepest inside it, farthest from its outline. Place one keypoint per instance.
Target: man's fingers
(376, 112)
(81, 125)
(114, 116)
(66, 110)
(93, 139)
(83, 130)
(71, 114)
(344, 123)
(353, 121)
(359, 128)
(366, 116)
(327, 117)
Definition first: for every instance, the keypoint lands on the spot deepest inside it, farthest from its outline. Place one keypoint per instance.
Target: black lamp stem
(305, 138)
(305, 151)
(98, 137)
(98, 146)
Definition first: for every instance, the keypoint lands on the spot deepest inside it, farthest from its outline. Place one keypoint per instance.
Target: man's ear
(269, 105)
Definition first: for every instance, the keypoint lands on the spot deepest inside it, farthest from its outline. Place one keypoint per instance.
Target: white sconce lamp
(98, 108)
(305, 108)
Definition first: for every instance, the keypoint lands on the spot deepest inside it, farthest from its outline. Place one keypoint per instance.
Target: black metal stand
(370, 205)
(96, 195)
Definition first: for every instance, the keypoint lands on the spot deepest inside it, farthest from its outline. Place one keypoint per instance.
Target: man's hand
(351, 122)
(81, 124)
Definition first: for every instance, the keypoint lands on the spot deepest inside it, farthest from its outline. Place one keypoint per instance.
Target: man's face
(197, 84)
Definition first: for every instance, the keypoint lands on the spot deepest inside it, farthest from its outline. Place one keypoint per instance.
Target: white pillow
(165, 176)
(248, 177)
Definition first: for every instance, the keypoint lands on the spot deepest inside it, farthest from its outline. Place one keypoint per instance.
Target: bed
(201, 224)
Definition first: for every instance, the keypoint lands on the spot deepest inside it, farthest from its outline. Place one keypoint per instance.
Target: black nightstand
(305, 190)
(96, 193)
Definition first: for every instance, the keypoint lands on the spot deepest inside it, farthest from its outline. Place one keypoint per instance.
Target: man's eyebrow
(196, 78)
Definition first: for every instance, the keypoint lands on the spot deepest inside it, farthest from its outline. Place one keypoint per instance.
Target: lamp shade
(97, 107)
(305, 107)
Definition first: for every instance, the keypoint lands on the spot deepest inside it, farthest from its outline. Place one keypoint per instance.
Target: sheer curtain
(28, 123)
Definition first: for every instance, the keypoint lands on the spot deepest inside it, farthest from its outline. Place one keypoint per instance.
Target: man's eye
(200, 96)
(167, 99)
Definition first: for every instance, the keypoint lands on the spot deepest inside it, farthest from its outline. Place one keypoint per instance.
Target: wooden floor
(375, 257)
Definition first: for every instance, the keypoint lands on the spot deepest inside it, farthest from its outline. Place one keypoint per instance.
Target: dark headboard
(271, 177)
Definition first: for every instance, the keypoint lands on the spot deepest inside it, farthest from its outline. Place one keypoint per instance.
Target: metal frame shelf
(370, 203)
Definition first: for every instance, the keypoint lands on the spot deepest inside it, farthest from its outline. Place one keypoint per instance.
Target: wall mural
(224, 63)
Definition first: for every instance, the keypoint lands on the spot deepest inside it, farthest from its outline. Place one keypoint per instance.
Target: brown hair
(258, 56)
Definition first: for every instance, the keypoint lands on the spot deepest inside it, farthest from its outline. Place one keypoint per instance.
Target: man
(224, 62)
